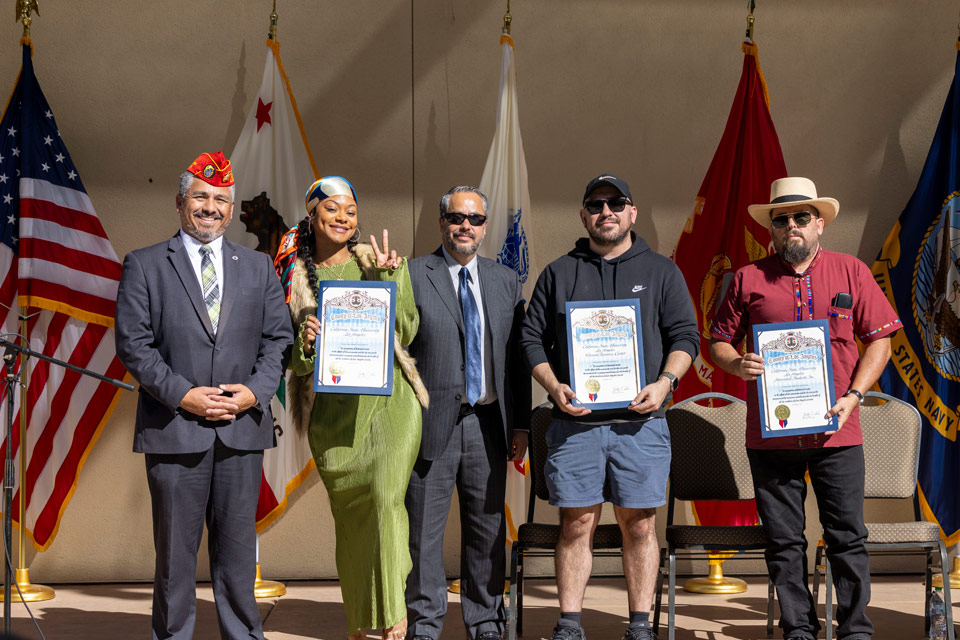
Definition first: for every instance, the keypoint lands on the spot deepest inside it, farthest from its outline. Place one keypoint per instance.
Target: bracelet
(856, 393)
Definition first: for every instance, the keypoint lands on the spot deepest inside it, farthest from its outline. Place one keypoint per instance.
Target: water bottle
(938, 616)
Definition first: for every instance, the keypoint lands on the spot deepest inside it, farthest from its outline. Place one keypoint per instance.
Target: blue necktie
(472, 337)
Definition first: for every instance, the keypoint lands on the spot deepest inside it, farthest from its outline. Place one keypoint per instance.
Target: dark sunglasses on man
(802, 218)
(457, 218)
(616, 205)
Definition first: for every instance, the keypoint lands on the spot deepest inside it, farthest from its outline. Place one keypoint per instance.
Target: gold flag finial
(273, 22)
(507, 19)
(751, 5)
(24, 7)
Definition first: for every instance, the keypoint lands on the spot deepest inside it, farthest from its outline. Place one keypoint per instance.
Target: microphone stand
(11, 380)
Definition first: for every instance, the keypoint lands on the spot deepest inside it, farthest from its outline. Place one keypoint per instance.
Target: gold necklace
(343, 267)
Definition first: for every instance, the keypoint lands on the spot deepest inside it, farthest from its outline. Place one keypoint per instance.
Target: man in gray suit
(202, 325)
(467, 352)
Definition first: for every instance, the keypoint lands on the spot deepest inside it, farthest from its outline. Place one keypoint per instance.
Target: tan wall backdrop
(399, 96)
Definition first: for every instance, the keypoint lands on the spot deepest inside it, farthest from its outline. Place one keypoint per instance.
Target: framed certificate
(605, 352)
(796, 388)
(355, 345)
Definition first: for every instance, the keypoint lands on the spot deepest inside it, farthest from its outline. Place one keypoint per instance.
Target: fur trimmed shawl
(303, 302)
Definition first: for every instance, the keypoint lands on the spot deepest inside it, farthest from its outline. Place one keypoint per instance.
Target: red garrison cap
(213, 168)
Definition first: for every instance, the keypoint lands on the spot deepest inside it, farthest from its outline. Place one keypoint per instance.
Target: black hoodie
(667, 316)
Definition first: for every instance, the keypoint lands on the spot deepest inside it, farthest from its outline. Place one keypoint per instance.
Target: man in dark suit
(466, 350)
(202, 325)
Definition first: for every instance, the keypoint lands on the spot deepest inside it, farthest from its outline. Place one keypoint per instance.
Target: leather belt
(467, 410)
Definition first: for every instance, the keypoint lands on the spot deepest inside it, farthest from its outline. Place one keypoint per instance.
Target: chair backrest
(537, 445)
(891, 447)
(709, 460)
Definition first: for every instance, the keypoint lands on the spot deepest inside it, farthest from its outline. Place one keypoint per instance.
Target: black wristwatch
(856, 393)
(674, 381)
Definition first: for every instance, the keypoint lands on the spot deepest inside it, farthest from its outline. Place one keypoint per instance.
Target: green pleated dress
(365, 447)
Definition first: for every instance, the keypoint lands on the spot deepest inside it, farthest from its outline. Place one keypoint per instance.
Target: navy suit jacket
(438, 347)
(165, 340)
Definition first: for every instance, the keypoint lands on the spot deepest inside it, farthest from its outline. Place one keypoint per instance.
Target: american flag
(57, 263)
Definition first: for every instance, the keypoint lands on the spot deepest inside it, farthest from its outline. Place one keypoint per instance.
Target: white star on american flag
(49, 113)
(11, 131)
(3, 178)
(60, 157)
(72, 175)
(7, 199)
(45, 166)
(1, 158)
(11, 218)
(16, 152)
(47, 140)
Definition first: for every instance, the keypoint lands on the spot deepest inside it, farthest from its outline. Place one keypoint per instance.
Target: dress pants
(475, 461)
(220, 486)
(836, 474)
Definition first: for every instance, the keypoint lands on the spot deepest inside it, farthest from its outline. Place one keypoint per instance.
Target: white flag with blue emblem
(504, 182)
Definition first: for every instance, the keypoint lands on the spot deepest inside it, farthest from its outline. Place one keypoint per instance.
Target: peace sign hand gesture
(386, 258)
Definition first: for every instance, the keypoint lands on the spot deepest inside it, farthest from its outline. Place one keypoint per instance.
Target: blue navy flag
(57, 265)
(919, 270)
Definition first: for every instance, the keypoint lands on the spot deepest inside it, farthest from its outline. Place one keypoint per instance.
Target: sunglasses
(802, 218)
(476, 219)
(616, 205)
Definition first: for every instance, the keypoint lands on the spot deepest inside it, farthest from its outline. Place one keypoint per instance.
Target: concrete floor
(312, 610)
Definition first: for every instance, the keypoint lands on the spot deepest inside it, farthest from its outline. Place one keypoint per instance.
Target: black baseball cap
(612, 180)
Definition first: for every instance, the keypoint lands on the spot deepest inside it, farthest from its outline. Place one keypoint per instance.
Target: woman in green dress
(364, 445)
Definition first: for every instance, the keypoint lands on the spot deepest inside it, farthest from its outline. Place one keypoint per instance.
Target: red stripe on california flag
(41, 289)
(80, 260)
(70, 218)
(267, 501)
(80, 356)
(68, 469)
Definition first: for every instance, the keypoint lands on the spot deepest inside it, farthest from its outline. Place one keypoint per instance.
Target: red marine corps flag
(720, 237)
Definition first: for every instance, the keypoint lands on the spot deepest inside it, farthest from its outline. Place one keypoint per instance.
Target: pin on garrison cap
(213, 168)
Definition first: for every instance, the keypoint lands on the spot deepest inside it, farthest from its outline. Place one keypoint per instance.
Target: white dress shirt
(488, 389)
(192, 245)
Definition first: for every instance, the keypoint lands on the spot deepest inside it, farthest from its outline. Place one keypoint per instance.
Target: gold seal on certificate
(355, 345)
(796, 388)
(605, 352)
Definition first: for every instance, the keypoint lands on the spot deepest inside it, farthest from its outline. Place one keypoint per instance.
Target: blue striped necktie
(211, 290)
(472, 337)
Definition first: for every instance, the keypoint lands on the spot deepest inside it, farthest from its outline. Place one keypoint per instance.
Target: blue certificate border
(328, 288)
(593, 304)
(765, 429)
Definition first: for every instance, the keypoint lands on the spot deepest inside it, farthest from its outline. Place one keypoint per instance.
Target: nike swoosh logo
(638, 287)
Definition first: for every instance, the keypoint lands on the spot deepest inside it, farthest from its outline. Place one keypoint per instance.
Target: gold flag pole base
(30, 592)
(954, 576)
(267, 588)
(716, 582)
(454, 586)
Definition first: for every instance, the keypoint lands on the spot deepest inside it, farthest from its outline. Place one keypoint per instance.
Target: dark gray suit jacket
(438, 347)
(165, 340)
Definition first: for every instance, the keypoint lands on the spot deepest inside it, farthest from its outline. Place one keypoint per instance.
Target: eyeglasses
(802, 218)
(616, 205)
(455, 217)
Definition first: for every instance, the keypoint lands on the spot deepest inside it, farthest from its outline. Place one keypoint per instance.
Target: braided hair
(306, 242)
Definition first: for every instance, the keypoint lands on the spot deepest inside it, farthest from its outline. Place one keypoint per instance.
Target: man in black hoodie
(620, 455)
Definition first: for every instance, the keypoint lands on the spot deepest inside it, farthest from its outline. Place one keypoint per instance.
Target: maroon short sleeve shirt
(769, 290)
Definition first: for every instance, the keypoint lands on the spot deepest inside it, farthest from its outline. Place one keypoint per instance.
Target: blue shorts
(626, 463)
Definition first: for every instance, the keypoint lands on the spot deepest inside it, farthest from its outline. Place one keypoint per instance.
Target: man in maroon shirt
(802, 281)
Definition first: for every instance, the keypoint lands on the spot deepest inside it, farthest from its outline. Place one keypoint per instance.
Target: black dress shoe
(490, 635)
(419, 638)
